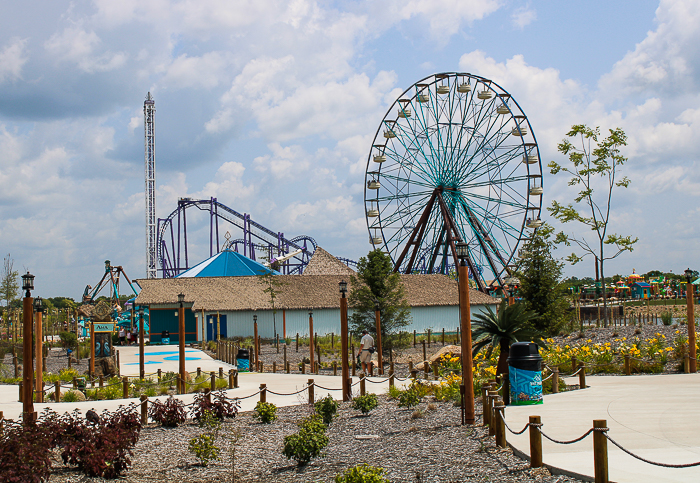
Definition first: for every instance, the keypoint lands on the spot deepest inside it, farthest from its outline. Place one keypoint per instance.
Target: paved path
(249, 383)
(656, 417)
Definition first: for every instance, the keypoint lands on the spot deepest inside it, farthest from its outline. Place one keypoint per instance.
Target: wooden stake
(535, 442)
(600, 451)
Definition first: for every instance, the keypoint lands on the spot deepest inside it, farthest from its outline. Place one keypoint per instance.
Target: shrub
(170, 413)
(68, 339)
(327, 408)
(363, 473)
(393, 392)
(204, 448)
(24, 453)
(408, 398)
(308, 443)
(67, 375)
(265, 412)
(365, 403)
(219, 405)
(72, 396)
(666, 318)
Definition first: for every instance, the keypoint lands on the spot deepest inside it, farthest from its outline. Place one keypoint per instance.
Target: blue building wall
(240, 323)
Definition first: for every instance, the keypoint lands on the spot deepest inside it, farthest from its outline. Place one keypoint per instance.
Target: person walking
(366, 350)
(122, 335)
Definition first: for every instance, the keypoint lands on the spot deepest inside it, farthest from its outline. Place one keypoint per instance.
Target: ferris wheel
(454, 159)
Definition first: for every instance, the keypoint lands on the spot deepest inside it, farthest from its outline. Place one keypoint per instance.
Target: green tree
(593, 164)
(498, 331)
(9, 286)
(376, 283)
(540, 283)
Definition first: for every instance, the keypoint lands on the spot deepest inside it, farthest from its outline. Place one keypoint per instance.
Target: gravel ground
(430, 448)
(55, 361)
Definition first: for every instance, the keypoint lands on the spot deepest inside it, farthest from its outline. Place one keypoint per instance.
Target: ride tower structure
(149, 124)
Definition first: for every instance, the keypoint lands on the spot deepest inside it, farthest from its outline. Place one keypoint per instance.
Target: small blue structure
(640, 290)
(227, 263)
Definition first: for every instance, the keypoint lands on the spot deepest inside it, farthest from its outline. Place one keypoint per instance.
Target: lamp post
(378, 323)
(142, 371)
(691, 320)
(27, 366)
(311, 340)
(466, 328)
(181, 341)
(255, 340)
(343, 287)
(38, 337)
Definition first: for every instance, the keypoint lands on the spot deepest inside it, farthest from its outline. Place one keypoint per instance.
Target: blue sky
(271, 107)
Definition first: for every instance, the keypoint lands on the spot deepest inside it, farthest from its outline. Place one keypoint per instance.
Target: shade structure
(227, 263)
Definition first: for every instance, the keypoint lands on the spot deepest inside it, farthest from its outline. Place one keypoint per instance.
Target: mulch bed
(432, 447)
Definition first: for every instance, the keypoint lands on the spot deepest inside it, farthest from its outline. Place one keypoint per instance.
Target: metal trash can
(165, 337)
(243, 360)
(525, 374)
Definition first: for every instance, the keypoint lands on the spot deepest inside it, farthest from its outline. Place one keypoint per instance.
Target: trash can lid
(524, 351)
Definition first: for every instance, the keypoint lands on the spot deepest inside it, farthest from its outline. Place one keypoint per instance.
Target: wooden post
(230, 379)
(443, 336)
(555, 380)
(311, 392)
(582, 376)
(686, 363)
(426, 368)
(101, 381)
(56, 391)
(144, 410)
(425, 357)
(288, 367)
(430, 336)
(284, 349)
(303, 367)
(256, 341)
(352, 357)
(125, 387)
(118, 365)
(39, 351)
(199, 371)
(414, 338)
(628, 366)
(391, 368)
(297, 341)
(485, 403)
(500, 424)
(16, 364)
(600, 451)
(160, 374)
(691, 327)
(574, 365)
(414, 374)
(274, 367)
(263, 392)
(221, 372)
(410, 366)
(21, 391)
(235, 379)
(75, 382)
(535, 442)
(335, 368)
(311, 340)
(212, 384)
(332, 341)
(391, 379)
(27, 365)
(435, 370)
(378, 324)
(493, 395)
(362, 383)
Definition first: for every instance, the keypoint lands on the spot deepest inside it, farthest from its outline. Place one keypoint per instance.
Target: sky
(271, 107)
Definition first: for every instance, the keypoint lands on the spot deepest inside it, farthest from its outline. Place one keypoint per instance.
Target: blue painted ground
(175, 358)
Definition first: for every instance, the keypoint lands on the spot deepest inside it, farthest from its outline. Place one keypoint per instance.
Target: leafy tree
(540, 286)
(9, 286)
(593, 164)
(498, 331)
(376, 283)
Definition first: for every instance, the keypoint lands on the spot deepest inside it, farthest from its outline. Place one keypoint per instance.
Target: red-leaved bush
(102, 447)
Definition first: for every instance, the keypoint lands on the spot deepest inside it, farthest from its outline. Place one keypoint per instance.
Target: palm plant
(511, 324)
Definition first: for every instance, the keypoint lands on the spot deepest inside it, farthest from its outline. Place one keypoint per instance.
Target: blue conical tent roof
(227, 264)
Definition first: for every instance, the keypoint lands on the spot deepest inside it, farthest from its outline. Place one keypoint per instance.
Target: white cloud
(667, 59)
(78, 46)
(523, 16)
(12, 59)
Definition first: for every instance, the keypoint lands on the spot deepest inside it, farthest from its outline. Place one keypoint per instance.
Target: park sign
(102, 327)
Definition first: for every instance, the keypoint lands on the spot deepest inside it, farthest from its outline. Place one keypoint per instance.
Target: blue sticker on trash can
(243, 365)
(525, 387)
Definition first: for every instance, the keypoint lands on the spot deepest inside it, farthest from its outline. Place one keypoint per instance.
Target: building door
(212, 326)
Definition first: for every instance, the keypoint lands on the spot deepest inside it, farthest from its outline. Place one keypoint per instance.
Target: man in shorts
(366, 343)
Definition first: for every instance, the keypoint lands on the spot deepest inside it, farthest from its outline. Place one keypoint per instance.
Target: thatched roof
(323, 263)
(296, 292)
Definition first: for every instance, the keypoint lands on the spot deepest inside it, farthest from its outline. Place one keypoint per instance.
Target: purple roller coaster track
(256, 240)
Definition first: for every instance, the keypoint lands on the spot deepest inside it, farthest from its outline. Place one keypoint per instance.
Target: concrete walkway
(249, 383)
(656, 417)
